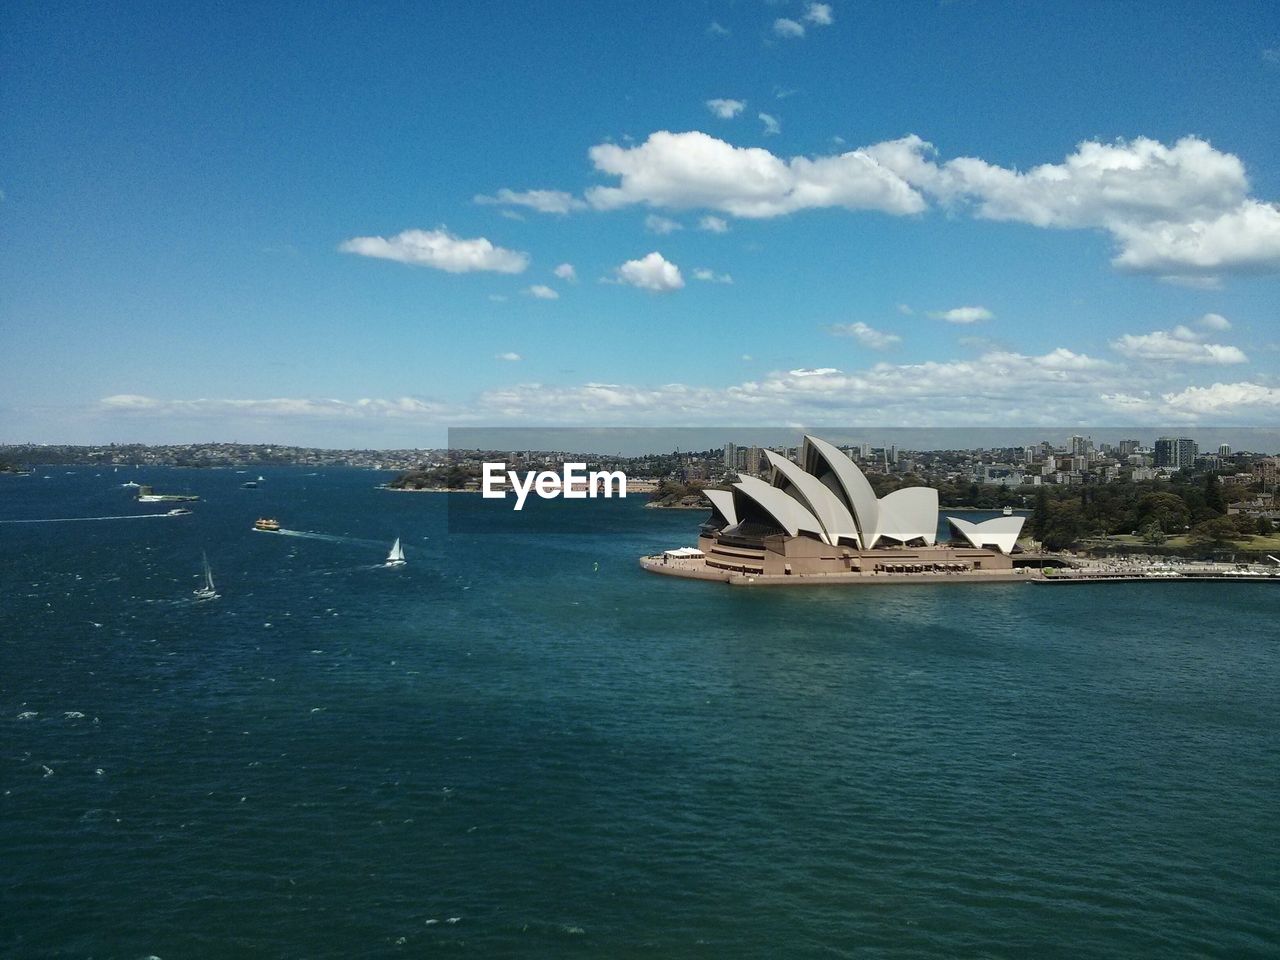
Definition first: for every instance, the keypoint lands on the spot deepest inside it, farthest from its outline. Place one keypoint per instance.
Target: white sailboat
(206, 591)
(396, 557)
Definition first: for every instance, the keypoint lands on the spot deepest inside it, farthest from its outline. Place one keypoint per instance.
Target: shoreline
(697, 569)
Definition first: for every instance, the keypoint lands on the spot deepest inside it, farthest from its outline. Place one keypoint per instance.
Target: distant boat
(261, 478)
(266, 525)
(178, 512)
(250, 484)
(1007, 511)
(206, 591)
(396, 557)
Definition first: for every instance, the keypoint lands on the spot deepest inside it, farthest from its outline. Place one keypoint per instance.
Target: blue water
(337, 759)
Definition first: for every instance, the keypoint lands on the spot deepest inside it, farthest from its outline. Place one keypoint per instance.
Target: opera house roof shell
(828, 498)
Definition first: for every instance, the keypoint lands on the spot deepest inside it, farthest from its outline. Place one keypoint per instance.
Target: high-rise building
(731, 456)
(1128, 447)
(1082, 447)
(866, 450)
(1175, 454)
(1224, 449)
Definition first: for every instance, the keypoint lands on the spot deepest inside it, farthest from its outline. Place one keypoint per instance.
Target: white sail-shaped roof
(789, 513)
(858, 495)
(910, 514)
(836, 520)
(998, 532)
(722, 500)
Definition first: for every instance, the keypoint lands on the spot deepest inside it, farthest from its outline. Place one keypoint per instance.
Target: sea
(519, 744)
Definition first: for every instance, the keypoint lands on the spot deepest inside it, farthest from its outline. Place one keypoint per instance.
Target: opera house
(821, 517)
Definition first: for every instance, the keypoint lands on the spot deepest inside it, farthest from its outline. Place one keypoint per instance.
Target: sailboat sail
(397, 554)
(207, 591)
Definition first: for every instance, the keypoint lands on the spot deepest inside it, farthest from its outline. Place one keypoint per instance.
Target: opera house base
(800, 560)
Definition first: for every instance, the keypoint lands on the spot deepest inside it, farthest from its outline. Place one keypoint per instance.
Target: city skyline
(323, 227)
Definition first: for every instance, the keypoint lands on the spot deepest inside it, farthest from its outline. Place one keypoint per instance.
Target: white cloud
(866, 335)
(997, 388)
(713, 224)
(498, 297)
(541, 291)
(717, 30)
(683, 170)
(509, 355)
(788, 28)
(710, 276)
(1181, 212)
(439, 249)
(661, 225)
(652, 272)
(1241, 400)
(771, 125)
(1175, 210)
(1215, 321)
(279, 407)
(543, 201)
(1271, 55)
(1180, 344)
(963, 314)
(1245, 238)
(1203, 281)
(1223, 398)
(905, 309)
(819, 14)
(726, 109)
(566, 272)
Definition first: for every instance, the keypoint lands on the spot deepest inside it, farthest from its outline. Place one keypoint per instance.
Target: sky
(363, 224)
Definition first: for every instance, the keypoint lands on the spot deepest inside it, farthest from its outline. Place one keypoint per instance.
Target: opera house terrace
(820, 521)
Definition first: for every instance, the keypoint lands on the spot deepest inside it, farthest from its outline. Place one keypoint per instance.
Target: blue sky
(288, 222)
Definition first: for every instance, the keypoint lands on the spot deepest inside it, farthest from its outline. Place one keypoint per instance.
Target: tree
(1166, 509)
(1245, 525)
(1152, 534)
(1213, 499)
(1040, 516)
(1065, 525)
(1216, 532)
(1265, 527)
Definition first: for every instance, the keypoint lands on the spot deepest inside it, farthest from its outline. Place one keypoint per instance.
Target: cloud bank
(1181, 211)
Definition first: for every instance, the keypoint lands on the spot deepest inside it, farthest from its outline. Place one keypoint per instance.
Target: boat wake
(326, 537)
(132, 516)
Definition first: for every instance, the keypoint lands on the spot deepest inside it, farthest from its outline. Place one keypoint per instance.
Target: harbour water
(520, 744)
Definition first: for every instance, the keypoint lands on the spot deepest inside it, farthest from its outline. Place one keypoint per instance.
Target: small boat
(177, 512)
(206, 591)
(396, 557)
(267, 525)
(249, 484)
(1007, 511)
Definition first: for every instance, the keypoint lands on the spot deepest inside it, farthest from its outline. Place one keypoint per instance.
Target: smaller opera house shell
(821, 516)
